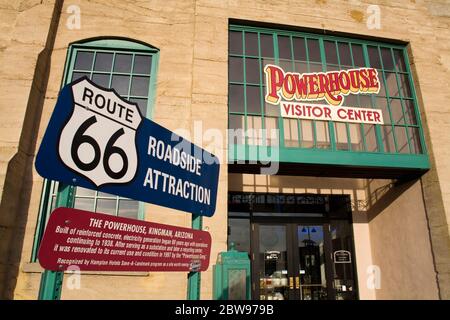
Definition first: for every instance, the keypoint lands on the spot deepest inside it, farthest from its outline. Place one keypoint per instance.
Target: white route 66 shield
(99, 139)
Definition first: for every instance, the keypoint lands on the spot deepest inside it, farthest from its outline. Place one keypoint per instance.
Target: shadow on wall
(369, 197)
(16, 195)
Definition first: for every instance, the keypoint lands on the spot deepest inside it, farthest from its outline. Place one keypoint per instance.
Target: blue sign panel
(97, 140)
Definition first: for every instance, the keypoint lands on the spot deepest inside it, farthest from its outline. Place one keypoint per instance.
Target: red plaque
(100, 242)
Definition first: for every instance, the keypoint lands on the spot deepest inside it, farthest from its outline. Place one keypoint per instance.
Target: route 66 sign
(97, 140)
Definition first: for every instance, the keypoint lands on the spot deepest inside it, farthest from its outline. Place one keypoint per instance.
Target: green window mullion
(261, 92)
(93, 63)
(361, 127)
(388, 100)
(372, 98)
(95, 200)
(131, 76)
(116, 212)
(276, 57)
(245, 90)
(299, 133)
(416, 105)
(112, 69)
(313, 122)
(70, 68)
(324, 69)
(402, 104)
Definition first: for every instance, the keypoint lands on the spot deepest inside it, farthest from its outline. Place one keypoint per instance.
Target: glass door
(313, 273)
(291, 261)
(273, 261)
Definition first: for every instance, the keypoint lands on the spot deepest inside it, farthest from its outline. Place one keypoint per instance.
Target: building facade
(351, 209)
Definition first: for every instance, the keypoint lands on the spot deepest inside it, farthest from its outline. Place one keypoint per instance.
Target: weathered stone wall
(192, 85)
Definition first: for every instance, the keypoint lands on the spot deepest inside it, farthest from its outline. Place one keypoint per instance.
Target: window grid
(406, 125)
(50, 188)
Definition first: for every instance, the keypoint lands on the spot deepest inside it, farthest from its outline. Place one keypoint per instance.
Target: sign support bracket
(51, 281)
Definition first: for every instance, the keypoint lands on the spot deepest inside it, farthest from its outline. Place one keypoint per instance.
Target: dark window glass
(371, 138)
(142, 104)
(391, 81)
(314, 50)
(365, 101)
(284, 47)
(358, 55)
(142, 64)
(101, 79)
(235, 42)
(388, 139)
(299, 49)
(409, 112)
(103, 61)
(236, 98)
(251, 44)
(78, 75)
(120, 84)
(239, 234)
(396, 111)
(266, 45)
(139, 86)
(374, 57)
(252, 70)
(315, 67)
(301, 67)
(330, 52)
(386, 55)
(236, 69)
(415, 140)
(237, 127)
(83, 60)
(122, 63)
(344, 54)
(405, 88)
(381, 104)
(399, 62)
(253, 100)
(402, 142)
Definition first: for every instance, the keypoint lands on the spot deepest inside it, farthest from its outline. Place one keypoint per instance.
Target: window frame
(110, 45)
(332, 155)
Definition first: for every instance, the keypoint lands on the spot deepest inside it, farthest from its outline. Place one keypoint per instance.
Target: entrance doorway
(297, 255)
(290, 261)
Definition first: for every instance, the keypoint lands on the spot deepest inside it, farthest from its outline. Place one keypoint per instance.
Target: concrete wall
(400, 242)
(191, 85)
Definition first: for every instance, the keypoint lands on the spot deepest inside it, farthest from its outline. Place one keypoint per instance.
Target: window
(129, 68)
(252, 48)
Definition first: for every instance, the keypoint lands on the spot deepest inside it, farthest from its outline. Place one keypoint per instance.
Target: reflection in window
(291, 138)
(340, 133)
(239, 234)
(388, 139)
(307, 133)
(322, 135)
(355, 137)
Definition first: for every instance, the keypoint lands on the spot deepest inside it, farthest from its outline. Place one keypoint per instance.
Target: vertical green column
(194, 278)
(51, 281)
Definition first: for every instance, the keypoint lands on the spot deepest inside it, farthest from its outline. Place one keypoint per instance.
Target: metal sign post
(51, 281)
(194, 278)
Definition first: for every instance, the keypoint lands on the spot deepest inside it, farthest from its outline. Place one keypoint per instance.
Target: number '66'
(80, 137)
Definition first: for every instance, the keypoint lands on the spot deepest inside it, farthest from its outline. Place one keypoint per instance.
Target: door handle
(291, 282)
